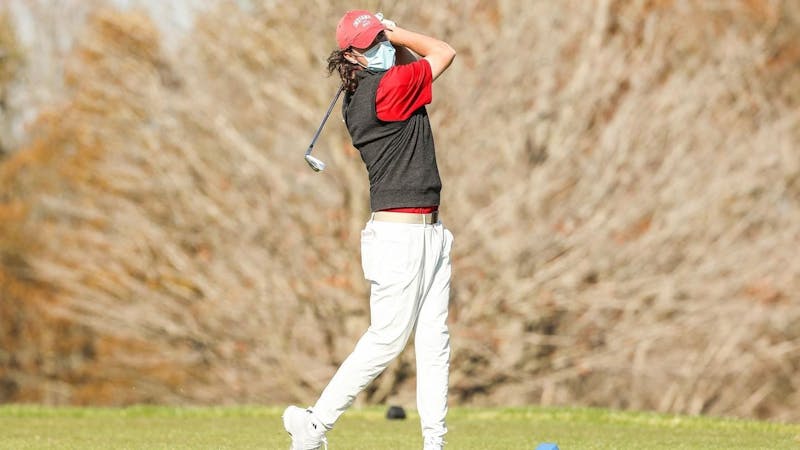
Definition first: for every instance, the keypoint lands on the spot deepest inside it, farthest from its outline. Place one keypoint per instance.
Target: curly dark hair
(346, 70)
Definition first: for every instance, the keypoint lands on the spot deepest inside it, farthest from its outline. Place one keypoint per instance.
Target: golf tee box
(547, 446)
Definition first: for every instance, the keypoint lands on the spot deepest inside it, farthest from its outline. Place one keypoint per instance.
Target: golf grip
(324, 119)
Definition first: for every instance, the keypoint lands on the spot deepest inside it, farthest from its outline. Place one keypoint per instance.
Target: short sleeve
(403, 90)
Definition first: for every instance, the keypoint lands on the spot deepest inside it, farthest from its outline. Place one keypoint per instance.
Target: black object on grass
(396, 413)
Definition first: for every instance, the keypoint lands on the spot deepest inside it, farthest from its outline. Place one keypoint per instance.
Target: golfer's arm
(438, 53)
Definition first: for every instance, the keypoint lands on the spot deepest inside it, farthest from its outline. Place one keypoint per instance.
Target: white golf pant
(408, 266)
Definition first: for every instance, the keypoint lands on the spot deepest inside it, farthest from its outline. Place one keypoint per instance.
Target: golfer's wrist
(390, 34)
(394, 35)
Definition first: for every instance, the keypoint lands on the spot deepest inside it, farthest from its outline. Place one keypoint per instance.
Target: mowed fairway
(34, 427)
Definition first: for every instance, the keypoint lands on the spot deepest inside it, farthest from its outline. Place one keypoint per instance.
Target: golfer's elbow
(448, 53)
(441, 58)
(452, 50)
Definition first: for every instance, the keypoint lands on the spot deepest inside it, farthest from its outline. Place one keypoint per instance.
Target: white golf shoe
(433, 444)
(306, 433)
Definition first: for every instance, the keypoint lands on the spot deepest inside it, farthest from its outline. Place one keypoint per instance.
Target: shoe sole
(292, 421)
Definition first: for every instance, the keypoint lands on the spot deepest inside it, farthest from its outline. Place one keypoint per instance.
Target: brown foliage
(621, 177)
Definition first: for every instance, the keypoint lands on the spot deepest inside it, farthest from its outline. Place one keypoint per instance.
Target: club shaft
(324, 119)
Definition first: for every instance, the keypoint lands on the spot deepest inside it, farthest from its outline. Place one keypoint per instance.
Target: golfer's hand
(389, 24)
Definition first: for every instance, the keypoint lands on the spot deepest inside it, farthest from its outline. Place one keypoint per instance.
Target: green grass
(146, 427)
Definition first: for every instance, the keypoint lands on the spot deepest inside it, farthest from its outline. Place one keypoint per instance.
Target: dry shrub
(175, 226)
(631, 243)
(621, 178)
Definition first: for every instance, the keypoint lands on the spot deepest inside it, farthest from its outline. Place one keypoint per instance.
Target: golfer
(405, 249)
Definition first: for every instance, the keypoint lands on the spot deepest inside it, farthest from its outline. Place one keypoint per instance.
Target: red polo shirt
(403, 90)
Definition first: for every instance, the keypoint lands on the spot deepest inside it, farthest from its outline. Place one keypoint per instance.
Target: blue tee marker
(547, 446)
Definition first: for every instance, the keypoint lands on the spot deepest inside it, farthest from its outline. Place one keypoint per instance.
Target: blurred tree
(10, 62)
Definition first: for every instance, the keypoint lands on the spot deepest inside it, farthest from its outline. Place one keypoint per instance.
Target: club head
(315, 163)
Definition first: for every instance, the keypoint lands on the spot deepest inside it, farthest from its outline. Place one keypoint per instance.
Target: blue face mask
(380, 57)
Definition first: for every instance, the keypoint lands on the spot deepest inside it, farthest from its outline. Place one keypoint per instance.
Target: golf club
(315, 163)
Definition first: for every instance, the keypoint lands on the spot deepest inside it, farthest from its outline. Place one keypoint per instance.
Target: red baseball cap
(357, 28)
